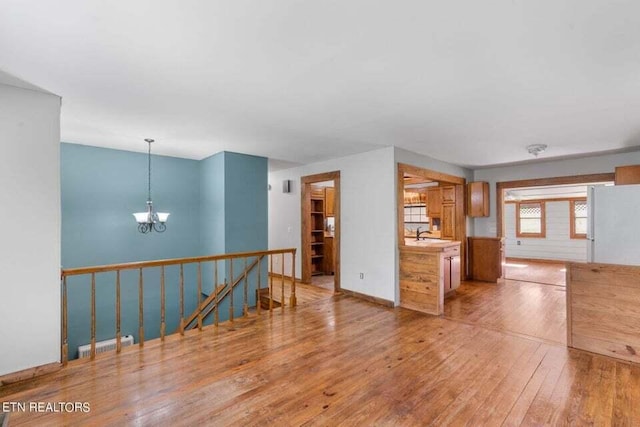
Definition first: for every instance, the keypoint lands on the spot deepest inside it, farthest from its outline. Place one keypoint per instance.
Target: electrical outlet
(361, 276)
(519, 242)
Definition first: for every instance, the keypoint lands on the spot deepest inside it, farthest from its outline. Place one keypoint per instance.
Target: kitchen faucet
(418, 233)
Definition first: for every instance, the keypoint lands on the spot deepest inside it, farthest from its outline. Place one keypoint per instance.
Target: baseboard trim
(545, 261)
(380, 301)
(29, 373)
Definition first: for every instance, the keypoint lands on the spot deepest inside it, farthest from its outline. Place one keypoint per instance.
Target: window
(530, 219)
(578, 216)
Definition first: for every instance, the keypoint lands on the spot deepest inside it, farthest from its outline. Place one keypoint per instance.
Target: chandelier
(150, 220)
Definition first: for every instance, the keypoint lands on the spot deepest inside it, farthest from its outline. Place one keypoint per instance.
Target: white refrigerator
(613, 224)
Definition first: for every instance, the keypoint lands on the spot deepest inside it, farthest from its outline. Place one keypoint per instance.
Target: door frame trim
(305, 209)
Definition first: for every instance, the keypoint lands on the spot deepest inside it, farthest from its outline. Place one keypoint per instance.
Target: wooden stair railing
(252, 263)
(212, 302)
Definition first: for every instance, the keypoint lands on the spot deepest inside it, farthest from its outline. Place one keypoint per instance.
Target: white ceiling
(465, 81)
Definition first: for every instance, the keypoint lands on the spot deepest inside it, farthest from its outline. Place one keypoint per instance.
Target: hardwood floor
(342, 361)
(304, 293)
(325, 281)
(550, 273)
(529, 309)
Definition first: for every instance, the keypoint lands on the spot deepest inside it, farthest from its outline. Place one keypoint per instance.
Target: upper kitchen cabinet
(329, 201)
(478, 199)
(449, 194)
(448, 222)
(434, 202)
(448, 213)
(415, 197)
(627, 175)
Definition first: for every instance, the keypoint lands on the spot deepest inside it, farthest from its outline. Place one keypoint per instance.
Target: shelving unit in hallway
(317, 231)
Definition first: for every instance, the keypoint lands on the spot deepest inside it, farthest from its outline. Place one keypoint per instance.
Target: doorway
(544, 225)
(448, 223)
(320, 228)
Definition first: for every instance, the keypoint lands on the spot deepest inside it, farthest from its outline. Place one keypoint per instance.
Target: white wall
(541, 169)
(367, 215)
(30, 218)
(557, 245)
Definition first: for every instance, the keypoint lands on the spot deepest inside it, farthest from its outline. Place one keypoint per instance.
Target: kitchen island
(428, 270)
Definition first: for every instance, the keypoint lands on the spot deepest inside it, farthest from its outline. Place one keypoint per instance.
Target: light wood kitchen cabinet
(427, 274)
(627, 175)
(449, 194)
(448, 222)
(329, 255)
(451, 268)
(478, 199)
(486, 258)
(434, 202)
(329, 200)
(415, 197)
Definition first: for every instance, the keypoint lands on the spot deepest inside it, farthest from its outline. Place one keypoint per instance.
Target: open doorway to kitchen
(544, 223)
(320, 220)
(432, 204)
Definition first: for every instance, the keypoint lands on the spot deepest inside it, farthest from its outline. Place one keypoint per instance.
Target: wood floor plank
(337, 360)
(626, 409)
(546, 374)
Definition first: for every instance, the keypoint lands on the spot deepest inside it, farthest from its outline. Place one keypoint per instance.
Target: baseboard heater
(104, 346)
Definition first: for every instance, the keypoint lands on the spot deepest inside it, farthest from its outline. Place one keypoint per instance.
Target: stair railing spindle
(93, 315)
(200, 295)
(141, 308)
(282, 284)
(293, 299)
(118, 315)
(65, 324)
(231, 290)
(245, 307)
(259, 285)
(216, 309)
(271, 284)
(181, 299)
(162, 305)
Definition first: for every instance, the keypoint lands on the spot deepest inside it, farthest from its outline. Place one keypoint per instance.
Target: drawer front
(452, 251)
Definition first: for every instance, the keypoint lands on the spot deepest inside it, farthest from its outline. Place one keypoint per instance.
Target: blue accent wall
(212, 206)
(233, 215)
(217, 205)
(246, 209)
(246, 202)
(101, 188)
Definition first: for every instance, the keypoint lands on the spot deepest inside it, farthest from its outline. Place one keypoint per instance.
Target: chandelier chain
(150, 220)
(149, 173)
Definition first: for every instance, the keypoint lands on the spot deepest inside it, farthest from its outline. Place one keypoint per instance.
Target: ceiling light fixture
(536, 149)
(150, 220)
